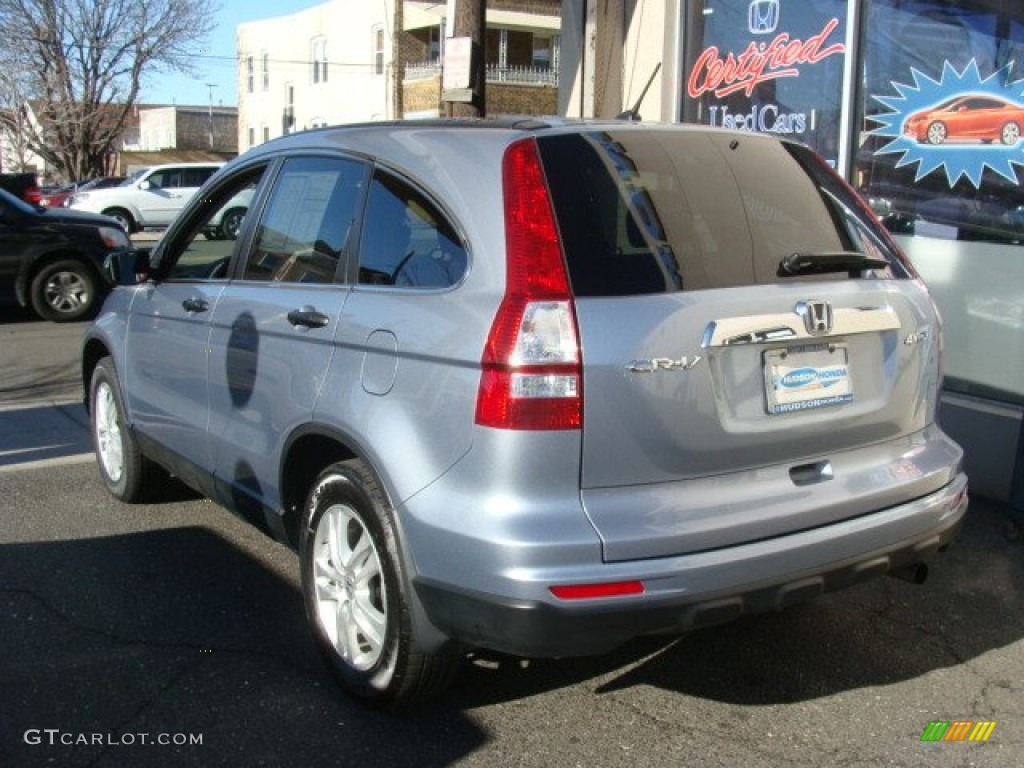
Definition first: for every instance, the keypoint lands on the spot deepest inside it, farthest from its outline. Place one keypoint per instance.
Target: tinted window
(655, 211)
(196, 177)
(308, 221)
(171, 178)
(406, 240)
(165, 179)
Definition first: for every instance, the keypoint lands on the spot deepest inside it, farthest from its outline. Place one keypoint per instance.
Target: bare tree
(79, 66)
(14, 123)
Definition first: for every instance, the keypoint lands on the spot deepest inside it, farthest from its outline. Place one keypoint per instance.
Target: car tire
(126, 472)
(936, 133)
(1010, 134)
(231, 223)
(356, 593)
(123, 218)
(64, 291)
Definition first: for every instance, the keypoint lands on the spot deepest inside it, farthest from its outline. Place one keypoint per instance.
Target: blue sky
(215, 57)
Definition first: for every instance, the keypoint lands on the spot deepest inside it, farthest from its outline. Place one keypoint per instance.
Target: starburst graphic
(957, 158)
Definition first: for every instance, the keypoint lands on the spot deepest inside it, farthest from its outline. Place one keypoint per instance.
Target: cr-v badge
(654, 364)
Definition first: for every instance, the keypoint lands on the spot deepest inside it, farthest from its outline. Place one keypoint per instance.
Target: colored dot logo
(958, 730)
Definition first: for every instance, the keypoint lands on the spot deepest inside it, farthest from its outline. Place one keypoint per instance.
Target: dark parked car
(536, 388)
(23, 186)
(53, 258)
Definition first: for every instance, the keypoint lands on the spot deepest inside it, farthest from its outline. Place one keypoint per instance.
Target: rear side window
(407, 241)
(643, 212)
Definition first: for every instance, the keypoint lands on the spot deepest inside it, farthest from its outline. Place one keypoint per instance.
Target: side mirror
(127, 267)
(145, 184)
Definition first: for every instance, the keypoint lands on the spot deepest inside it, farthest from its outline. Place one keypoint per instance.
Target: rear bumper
(701, 589)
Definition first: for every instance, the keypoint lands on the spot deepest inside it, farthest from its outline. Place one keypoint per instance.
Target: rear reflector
(591, 591)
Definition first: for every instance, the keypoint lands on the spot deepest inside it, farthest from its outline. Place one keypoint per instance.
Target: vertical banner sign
(773, 66)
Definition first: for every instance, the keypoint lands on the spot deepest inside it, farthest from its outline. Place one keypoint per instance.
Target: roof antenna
(634, 113)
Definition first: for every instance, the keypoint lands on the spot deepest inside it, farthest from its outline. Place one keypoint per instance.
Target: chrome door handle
(308, 317)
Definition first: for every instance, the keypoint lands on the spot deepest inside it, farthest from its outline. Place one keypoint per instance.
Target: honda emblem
(763, 17)
(817, 316)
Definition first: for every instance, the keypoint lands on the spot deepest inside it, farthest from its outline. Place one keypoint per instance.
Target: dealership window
(943, 116)
(940, 157)
(769, 66)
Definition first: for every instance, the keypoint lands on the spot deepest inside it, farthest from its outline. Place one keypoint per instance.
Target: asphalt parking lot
(172, 634)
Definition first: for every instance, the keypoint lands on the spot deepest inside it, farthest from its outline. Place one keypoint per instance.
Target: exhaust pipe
(916, 573)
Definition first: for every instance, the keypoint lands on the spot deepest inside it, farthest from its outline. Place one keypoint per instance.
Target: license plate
(806, 377)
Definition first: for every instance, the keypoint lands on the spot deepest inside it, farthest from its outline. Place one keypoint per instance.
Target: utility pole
(210, 87)
(468, 19)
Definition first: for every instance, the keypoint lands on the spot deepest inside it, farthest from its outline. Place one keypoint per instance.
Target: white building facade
(324, 65)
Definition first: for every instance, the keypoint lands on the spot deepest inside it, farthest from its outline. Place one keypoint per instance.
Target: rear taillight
(32, 195)
(532, 376)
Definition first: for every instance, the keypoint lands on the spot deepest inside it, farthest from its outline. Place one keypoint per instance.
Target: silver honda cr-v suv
(534, 387)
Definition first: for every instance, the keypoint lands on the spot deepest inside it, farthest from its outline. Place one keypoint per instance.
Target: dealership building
(918, 103)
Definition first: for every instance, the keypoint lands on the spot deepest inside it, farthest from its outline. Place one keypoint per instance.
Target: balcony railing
(495, 74)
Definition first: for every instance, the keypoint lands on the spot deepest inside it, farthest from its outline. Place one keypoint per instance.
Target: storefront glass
(774, 66)
(940, 155)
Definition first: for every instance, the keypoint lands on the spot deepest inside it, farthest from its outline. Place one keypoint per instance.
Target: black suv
(53, 258)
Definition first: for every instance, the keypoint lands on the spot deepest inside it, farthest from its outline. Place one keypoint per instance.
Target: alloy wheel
(351, 601)
(109, 445)
(66, 292)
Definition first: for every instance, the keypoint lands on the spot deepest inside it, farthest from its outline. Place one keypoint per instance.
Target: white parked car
(152, 199)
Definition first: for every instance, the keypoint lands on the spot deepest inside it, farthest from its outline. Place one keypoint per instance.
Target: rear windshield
(645, 212)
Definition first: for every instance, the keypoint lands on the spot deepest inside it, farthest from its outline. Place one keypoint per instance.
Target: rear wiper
(821, 263)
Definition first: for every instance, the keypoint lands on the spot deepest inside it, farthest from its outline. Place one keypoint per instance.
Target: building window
(252, 137)
(436, 36)
(288, 119)
(266, 133)
(542, 51)
(266, 71)
(378, 50)
(250, 67)
(320, 60)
